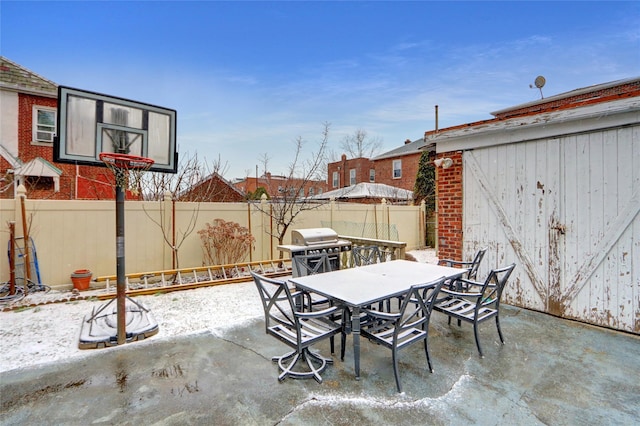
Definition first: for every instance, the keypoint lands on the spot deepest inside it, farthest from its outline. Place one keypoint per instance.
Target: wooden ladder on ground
(141, 283)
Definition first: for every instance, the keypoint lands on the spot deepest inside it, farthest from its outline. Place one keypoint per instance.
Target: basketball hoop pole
(125, 167)
(120, 267)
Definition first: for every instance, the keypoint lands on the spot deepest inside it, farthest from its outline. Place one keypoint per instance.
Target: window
(311, 192)
(335, 179)
(44, 124)
(397, 169)
(372, 175)
(352, 176)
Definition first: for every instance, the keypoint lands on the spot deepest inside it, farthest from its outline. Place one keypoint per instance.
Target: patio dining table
(359, 287)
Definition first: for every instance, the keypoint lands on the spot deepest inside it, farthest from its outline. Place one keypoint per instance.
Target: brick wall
(449, 196)
(343, 167)
(384, 171)
(597, 96)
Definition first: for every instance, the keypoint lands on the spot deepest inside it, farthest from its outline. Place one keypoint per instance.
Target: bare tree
(290, 201)
(195, 181)
(264, 160)
(358, 145)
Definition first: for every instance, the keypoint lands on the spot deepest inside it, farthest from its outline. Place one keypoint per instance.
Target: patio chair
(368, 255)
(297, 329)
(399, 330)
(312, 264)
(365, 255)
(479, 304)
(473, 266)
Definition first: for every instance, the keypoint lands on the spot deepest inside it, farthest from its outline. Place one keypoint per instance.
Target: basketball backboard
(92, 123)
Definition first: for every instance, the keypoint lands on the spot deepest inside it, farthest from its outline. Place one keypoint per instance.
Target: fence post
(168, 222)
(332, 205)
(266, 238)
(386, 229)
(423, 223)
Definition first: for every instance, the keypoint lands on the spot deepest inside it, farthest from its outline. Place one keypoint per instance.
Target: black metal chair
(297, 329)
(476, 306)
(399, 330)
(366, 255)
(472, 266)
(312, 264)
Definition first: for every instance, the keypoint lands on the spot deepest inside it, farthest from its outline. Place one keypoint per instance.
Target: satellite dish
(539, 82)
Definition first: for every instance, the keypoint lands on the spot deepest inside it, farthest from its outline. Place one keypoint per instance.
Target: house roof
(414, 147)
(609, 104)
(38, 167)
(11, 159)
(214, 176)
(367, 190)
(17, 78)
(576, 93)
(617, 113)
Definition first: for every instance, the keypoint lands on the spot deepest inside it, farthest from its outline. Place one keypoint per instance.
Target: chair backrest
(311, 264)
(417, 306)
(365, 255)
(277, 301)
(493, 286)
(475, 264)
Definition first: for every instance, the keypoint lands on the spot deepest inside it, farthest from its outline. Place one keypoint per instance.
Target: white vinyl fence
(74, 234)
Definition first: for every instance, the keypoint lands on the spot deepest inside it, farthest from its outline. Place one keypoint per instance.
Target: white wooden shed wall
(559, 194)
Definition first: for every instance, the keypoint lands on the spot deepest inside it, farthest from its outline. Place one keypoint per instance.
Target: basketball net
(127, 169)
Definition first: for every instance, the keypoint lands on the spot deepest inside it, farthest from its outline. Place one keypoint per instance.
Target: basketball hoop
(128, 169)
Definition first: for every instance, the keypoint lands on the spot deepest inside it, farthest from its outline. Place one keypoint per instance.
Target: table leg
(355, 329)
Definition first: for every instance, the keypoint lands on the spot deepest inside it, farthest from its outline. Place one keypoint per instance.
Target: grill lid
(312, 236)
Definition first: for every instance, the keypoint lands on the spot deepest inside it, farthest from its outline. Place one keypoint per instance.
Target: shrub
(225, 242)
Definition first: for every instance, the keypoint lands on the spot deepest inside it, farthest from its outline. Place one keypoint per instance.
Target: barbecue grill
(314, 241)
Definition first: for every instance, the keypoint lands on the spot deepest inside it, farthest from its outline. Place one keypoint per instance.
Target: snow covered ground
(48, 333)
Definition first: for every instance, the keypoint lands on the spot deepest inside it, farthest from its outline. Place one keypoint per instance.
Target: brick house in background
(28, 119)
(347, 172)
(275, 185)
(397, 168)
(214, 188)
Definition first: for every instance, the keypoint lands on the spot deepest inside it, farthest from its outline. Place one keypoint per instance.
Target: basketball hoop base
(100, 328)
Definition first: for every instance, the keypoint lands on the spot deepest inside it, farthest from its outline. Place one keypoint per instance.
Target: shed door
(566, 211)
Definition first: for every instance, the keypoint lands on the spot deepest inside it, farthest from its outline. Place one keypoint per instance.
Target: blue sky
(247, 78)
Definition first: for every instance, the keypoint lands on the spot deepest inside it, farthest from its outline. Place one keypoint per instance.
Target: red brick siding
(583, 99)
(384, 171)
(213, 190)
(449, 193)
(272, 183)
(343, 167)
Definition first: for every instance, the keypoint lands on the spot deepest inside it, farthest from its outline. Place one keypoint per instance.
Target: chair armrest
(297, 293)
(458, 293)
(382, 315)
(470, 282)
(450, 262)
(317, 314)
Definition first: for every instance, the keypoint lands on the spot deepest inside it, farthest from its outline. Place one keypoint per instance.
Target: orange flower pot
(81, 278)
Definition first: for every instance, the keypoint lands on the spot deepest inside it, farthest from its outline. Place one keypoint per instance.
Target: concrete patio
(551, 371)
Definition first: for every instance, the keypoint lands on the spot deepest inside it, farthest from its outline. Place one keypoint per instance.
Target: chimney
(408, 141)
